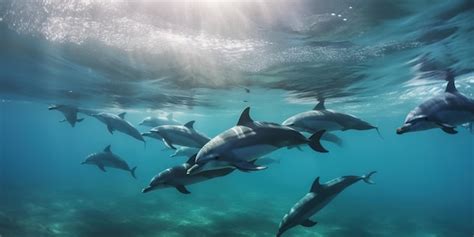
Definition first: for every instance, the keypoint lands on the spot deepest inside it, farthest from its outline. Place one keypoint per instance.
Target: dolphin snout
(402, 130)
(147, 189)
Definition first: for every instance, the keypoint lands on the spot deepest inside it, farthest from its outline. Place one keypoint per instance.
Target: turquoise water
(195, 60)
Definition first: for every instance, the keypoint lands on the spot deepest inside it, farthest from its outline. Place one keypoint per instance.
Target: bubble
(345, 19)
(339, 15)
(333, 14)
(350, 7)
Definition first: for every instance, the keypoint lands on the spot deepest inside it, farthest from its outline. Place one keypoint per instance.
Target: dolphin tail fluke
(378, 132)
(314, 142)
(367, 179)
(132, 171)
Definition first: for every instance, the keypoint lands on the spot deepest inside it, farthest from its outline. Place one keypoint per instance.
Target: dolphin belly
(317, 125)
(183, 140)
(455, 117)
(250, 153)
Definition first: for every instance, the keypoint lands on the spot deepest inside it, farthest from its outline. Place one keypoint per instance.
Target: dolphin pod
(243, 146)
(239, 146)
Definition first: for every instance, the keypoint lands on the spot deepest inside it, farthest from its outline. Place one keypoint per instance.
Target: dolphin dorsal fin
(122, 115)
(245, 117)
(320, 105)
(107, 149)
(316, 187)
(192, 159)
(450, 87)
(169, 116)
(190, 124)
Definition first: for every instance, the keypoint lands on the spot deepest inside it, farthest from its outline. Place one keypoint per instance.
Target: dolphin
(153, 135)
(69, 112)
(159, 121)
(118, 122)
(182, 135)
(321, 118)
(178, 178)
(444, 111)
(239, 146)
(331, 137)
(185, 151)
(317, 198)
(108, 159)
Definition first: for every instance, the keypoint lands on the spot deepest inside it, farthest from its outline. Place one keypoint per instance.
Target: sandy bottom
(65, 213)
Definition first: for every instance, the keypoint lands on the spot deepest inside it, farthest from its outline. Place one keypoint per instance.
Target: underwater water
(207, 61)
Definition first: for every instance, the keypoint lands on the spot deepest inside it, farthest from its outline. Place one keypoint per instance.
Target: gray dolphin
(444, 111)
(321, 118)
(178, 178)
(159, 121)
(118, 122)
(317, 198)
(69, 112)
(181, 135)
(108, 159)
(153, 135)
(241, 145)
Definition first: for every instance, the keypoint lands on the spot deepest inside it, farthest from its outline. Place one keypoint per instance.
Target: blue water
(194, 60)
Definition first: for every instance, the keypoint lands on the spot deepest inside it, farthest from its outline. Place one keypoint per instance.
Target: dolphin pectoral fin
(247, 166)
(168, 144)
(297, 147)
(309, 223)
(182, 189)
(132, 171)
(111, 129)
(101, 167)
(79, 120)
(447, 128)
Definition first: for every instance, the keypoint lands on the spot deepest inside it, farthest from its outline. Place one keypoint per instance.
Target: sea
(207, 61)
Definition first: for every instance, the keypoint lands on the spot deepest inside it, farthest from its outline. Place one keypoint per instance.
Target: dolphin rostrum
(69, 112)
(108, 159)
(317, 198)
(444, 111)
(241, 145)
(118, 122)
(181, 135)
